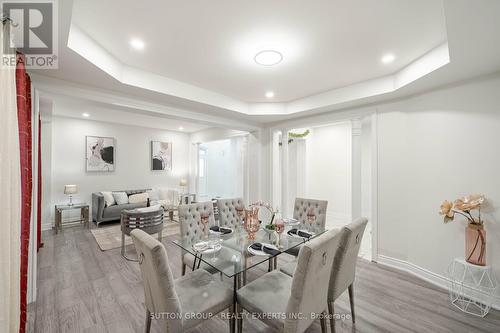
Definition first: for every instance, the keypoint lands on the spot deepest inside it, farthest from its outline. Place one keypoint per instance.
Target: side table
(84, 215)
(472, 288)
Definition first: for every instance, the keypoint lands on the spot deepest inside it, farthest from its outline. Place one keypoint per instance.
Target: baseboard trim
(422, 273)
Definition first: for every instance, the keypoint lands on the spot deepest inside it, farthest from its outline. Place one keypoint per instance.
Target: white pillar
(356, 168)
(275, 170)
(284, 172)
(245, 160)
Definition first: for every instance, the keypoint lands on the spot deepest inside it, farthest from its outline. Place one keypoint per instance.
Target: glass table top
(73, 206)
(234, 257)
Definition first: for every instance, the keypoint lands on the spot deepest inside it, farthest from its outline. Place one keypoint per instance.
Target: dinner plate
(261, 253)
(290, 221)
(205, 248)
(297, 236)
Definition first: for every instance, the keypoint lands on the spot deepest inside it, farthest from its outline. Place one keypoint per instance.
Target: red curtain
(23, 88)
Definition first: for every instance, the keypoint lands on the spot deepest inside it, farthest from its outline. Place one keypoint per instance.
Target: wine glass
(279, 228)
(213, 243)
(240, 213)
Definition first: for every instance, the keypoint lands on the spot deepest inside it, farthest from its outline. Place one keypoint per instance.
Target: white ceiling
(75, 108)
(472, 49)
(326, 44)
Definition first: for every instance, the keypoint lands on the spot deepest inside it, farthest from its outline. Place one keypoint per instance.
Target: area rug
(110, 237)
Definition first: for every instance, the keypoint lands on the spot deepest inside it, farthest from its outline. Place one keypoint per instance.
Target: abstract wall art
(161, 155)
(100, 154)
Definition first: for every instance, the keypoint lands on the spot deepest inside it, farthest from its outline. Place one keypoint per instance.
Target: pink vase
(475, 244)
(251, 222)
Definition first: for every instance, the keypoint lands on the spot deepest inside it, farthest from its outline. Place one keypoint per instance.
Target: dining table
(232, 255)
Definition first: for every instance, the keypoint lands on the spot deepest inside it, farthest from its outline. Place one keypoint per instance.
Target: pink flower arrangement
(463, 206)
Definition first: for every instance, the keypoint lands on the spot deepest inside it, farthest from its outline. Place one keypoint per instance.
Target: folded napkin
(300, 233)
(222, 230)
(265, 249)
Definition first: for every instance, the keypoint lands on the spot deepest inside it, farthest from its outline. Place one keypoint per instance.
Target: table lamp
(70, 189)
(183, 183)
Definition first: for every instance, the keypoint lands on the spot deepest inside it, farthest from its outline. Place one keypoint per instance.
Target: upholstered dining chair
(295, 297)
(311, 214)
(228, 212)
(192, 227)
(148, 221)
(176, 300)
(344, 266)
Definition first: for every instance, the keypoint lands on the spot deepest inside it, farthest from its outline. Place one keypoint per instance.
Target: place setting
(221, 231)
(263, 249)
(300, 233)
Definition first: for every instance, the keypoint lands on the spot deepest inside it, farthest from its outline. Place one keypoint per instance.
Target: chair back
(228, 212)
(216, 209)
(150, 222)
(190, 219)
(310, 280)
(344, 265)
(159, 288)
(311, 214)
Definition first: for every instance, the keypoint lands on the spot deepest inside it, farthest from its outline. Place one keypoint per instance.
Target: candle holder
(311, 216)
(204, 217)
(251, 222)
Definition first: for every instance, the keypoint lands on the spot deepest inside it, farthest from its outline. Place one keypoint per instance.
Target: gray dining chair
(198, 292)
(150, 222)
(228, 212)
(192, 227)
(311, 215)
(303, 294)
(344, 266)
(192, 230)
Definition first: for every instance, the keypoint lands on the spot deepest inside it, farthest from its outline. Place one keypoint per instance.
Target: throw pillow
(139, 197)
(121, 198)
(108, 198)
(148, 209)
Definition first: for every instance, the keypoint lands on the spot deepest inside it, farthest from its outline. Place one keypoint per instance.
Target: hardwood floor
(82, 289)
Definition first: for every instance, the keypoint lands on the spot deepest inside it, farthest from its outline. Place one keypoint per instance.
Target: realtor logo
(33, 31)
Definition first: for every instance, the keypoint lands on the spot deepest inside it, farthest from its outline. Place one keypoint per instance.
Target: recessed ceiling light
(270, 94)
(85, 114)
(268, 58)
(388, 58)
(181, 128)
(137, 44)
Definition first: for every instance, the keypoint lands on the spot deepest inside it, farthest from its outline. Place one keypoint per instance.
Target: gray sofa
(101, 213)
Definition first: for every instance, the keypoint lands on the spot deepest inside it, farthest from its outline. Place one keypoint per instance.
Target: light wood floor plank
(82, 289)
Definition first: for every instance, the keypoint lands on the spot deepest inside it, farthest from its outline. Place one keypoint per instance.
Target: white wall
(438, 146)
(328, 170)
(431, 147)
(132, 159)
(46, 154)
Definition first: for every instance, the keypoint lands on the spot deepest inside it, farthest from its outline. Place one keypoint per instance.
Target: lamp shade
(183, 182)
(70, 189)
